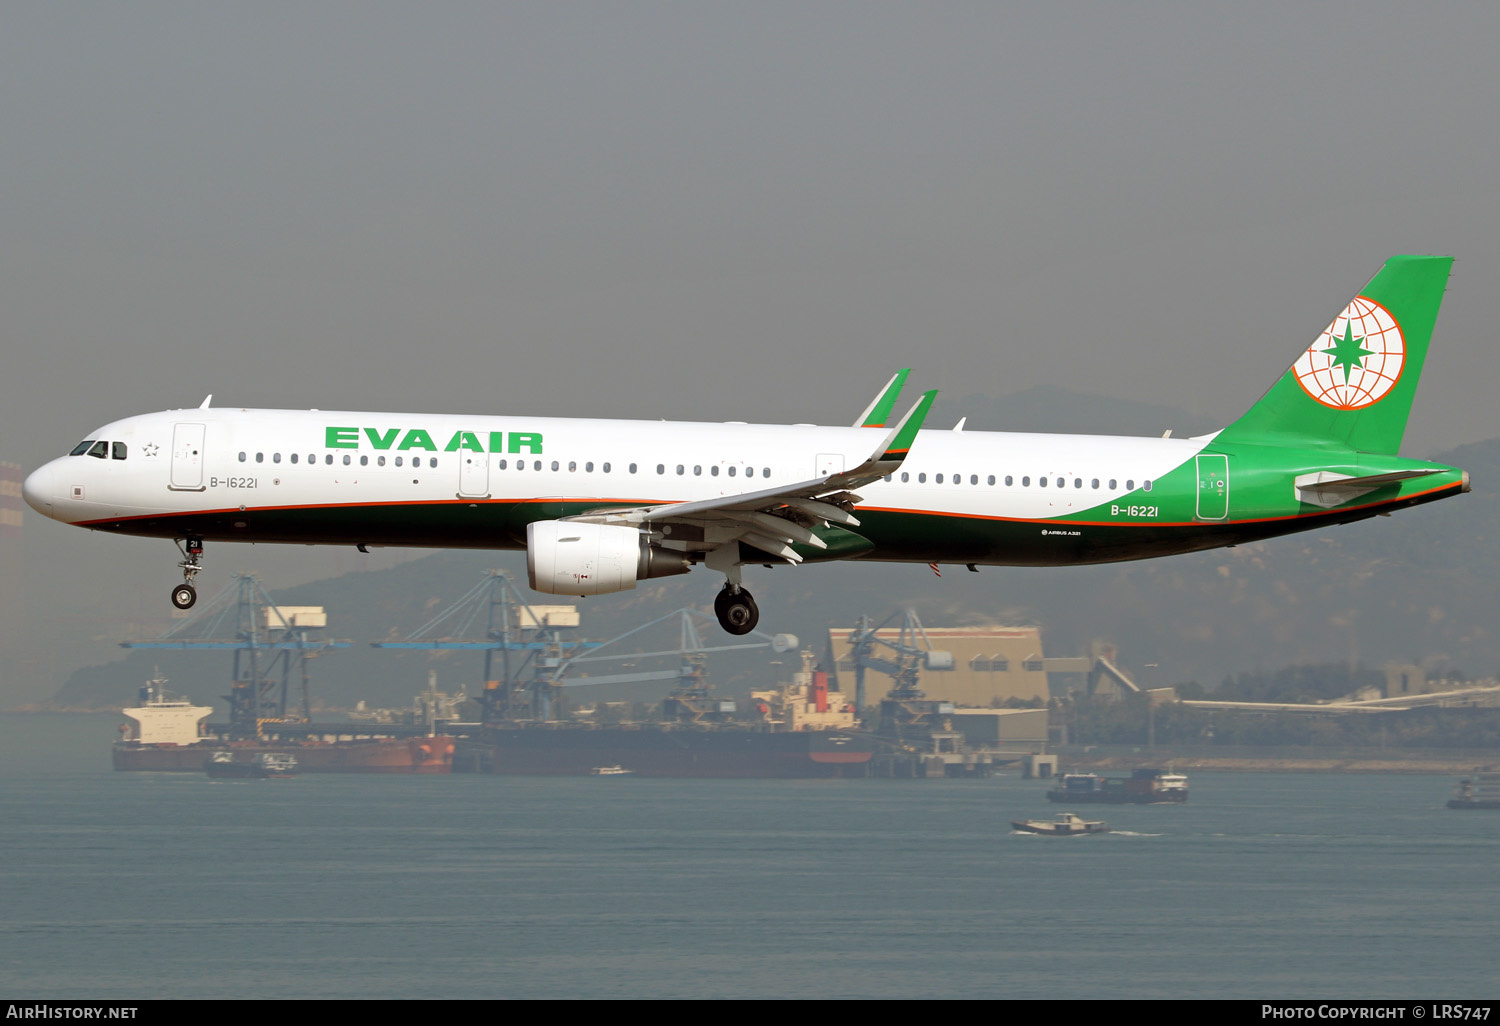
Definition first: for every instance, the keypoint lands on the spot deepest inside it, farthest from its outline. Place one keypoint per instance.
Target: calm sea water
(1263, 886)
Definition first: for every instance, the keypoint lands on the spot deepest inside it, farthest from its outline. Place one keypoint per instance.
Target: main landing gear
(184, 595)
(736, 610)
(734, 607)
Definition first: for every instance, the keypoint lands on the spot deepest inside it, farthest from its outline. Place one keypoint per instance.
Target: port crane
(244, 619)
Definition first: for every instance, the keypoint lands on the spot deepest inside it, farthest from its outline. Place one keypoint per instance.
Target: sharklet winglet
(879, 410)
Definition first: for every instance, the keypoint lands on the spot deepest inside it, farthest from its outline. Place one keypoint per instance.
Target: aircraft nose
(40, 489)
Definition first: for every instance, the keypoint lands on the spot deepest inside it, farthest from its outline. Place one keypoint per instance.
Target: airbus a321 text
(600, 505)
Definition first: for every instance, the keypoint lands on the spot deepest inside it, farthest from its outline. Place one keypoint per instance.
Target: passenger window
(503, 464)
(697, 470)
(275, 457)
(1078, 482)
(1041, 482)
(312, 457)
(242, 457)
(364, 461)
(938, 479)
(680, 469)
(1146, 485)
(572, 467)
(632, 468)
(536, 464)
(922, 478)
(888, 479)
(1009, 480)
(1025, 482)
(606, 468)
(294, 457)
(905, 477)
(380, 461)
(117, 450)
(347, 460)
(1096, 483)
(661, 468)
(554, 466)
(588, 468)
(83, 447)
(713, 471)
(991, 479)
(731, 471)
(1130, 484)
(326, 459)
(974, 479)
(1061, 483)
(398, 461)
(766, 472)
(260, 457)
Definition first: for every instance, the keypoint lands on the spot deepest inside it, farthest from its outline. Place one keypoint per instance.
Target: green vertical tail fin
(1354, 385)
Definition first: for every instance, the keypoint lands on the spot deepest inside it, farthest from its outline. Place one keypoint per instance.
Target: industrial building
(967, 666)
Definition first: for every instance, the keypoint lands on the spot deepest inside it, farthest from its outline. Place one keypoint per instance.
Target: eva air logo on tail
(1356, 361)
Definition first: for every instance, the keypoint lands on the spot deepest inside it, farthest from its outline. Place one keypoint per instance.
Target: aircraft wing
(774, 519)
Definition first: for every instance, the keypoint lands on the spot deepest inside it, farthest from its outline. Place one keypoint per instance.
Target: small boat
(1142, 787)
(224, 766)
(1481, 791)
(611, 771)
(1065, 825)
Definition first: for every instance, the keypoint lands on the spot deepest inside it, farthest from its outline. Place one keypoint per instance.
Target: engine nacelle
(564, 558)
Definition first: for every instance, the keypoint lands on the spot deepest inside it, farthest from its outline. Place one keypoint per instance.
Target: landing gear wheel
(737, 611)
(184, 595)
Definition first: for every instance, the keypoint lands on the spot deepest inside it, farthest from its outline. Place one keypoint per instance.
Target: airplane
(600, 505)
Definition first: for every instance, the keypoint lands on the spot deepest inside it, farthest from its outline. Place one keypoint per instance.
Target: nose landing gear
(184, 595)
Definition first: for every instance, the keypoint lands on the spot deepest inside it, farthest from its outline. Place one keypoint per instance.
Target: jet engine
(564, 558)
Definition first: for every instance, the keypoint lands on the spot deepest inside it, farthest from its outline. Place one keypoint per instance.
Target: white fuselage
(183, 462)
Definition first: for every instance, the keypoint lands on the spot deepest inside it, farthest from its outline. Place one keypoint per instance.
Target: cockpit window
(82, 447)
(99, 450)
(117, 450)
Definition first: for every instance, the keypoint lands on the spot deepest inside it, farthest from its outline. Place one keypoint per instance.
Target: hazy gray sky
(746, 211)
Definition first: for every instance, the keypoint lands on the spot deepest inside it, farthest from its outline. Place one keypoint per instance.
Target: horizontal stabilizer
(1328, 488)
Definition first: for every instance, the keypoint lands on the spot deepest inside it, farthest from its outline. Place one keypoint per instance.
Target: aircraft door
(1213, 487)
(473, 474)
(187, 457)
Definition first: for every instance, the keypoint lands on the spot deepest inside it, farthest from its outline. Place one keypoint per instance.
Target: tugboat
(1065, 825)
(1481, 791)
(223, 766)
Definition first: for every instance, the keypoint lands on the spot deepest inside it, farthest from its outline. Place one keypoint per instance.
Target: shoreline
(1426, 763)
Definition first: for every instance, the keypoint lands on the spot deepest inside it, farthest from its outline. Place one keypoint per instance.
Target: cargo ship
(345, 755)
(670, 750)
(801, 729)
(170, 734)
(1481, 791)
(1143, 787)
